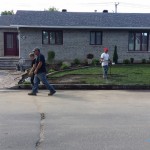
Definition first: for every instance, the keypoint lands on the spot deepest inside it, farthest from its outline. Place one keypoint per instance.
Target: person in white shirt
(105, 62)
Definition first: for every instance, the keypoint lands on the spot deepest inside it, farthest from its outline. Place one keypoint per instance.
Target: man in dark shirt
(40, 74)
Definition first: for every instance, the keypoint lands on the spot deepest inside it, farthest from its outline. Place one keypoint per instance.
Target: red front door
(11, 47)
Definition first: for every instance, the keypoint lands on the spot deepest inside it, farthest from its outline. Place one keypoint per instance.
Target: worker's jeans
(41, 77)
(105, 71)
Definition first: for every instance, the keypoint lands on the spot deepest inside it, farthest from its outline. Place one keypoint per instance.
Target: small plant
(95, 62)
(85, 62)
(115, 55)
(126, 61)
(51, 70)
(131, 60)
(26, 82)
(51, 56)
(90, 56)
(76, 61)
(143, 61)
(64, 66)
(148, 61)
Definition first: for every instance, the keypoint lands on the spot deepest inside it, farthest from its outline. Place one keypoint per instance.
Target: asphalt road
(75, 120)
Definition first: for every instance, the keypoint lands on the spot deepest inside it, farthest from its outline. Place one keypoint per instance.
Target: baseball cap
(36, 49)
(105, 49)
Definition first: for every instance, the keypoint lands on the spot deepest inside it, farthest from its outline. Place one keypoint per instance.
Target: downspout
(18, 40)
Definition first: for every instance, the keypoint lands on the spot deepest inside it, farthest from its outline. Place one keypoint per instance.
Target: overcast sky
(125, 6)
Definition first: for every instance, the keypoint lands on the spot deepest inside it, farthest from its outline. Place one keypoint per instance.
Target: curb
(87, 87)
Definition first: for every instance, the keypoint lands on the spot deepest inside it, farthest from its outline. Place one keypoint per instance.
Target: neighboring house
(8, 37)
(75, 34)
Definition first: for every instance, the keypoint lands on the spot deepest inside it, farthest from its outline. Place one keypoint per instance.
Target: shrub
(85, 62)
(143, 61)
(131, 60)
(148, 61)
(59, 63)
(76, 61)
(115, 55)
(67, 63)
(95, 62)
(90, 56)
(51, 56)
(126, 61)
(64, 66)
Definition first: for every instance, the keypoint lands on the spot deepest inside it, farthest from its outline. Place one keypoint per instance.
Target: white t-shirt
(105, 57)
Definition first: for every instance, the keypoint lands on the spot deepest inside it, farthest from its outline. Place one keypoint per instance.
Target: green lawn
(137, 74)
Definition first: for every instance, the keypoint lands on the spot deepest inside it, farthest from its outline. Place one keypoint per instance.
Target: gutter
(78, 27)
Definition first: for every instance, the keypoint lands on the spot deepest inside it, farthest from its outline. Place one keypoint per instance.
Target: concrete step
(8, 63)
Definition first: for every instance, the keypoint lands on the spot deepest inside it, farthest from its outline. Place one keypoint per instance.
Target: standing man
(105, 62)
(40, 74)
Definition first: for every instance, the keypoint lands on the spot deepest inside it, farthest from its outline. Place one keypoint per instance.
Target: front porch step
(8, 63)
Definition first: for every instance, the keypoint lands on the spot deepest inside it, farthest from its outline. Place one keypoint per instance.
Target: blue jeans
(105, 71)
(41, 77)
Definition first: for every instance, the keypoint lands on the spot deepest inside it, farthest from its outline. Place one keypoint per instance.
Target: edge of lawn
(84, 86)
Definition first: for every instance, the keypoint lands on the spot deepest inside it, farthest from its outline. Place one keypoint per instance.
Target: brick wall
(76, 44)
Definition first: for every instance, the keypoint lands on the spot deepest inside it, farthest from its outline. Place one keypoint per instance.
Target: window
(45, 37)
(138, 41)
(96, 38)
(52, 37)
(10, 41)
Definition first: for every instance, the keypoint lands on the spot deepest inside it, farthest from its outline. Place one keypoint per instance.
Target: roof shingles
(81, 19)
(5, 20)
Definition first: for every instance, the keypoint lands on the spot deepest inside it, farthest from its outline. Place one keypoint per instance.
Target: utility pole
(116, 4)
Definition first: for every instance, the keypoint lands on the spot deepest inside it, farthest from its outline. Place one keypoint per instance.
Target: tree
(11, 12)
(115, 55)
(52, 9)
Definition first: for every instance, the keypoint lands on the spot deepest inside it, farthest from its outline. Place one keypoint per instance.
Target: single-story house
(75, 34)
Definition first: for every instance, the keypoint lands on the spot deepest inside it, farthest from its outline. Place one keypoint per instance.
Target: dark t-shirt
(33, 62)
(41, 58)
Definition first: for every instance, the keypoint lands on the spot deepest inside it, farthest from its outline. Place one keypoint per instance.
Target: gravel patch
(9, 78)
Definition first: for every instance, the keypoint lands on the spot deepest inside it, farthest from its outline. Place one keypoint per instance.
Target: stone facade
(76, 44)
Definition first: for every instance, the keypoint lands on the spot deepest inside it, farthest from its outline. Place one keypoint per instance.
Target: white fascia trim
(78, 27)
(13, 27)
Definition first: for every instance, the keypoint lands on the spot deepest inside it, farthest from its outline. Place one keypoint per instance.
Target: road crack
(41, 136)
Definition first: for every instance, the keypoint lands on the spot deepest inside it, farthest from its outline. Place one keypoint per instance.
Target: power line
(104, 3)
(135, 5)
(121, 4)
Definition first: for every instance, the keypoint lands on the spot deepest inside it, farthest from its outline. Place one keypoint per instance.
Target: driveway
(75, 120)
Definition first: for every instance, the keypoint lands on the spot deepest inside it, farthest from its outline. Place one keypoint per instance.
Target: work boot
(32, 94)
(51, 93)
